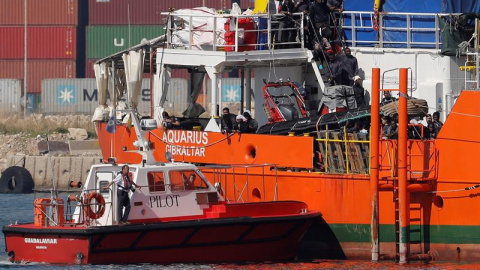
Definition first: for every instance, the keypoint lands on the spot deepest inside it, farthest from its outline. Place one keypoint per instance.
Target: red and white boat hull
(236, 239)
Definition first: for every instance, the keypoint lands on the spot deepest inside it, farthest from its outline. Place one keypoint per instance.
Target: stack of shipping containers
(51, 41)
(66, 37)
(120, 24)
(117, 25)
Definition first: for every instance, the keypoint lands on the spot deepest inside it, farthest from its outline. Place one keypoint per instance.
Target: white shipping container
(80, 96)
(10, 95)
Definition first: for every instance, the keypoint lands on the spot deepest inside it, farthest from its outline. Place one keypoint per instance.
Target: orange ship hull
(443, 220)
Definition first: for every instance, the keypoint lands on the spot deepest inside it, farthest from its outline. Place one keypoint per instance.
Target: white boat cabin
(164, 194)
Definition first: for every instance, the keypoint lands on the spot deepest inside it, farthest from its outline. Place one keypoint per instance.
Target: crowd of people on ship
(321, 34)
(243, 123)
(426, 128)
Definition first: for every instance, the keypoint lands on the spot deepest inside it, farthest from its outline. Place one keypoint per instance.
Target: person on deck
(289, 31)
(228, 120)
(124, 185)
(241, 124)
(252, 124)
(436, 122)
(303, 7)
(359, 92)
(387, 98)
(320, 15)
(170, 122)
(350, 65)
(335, 70)
(432, 132)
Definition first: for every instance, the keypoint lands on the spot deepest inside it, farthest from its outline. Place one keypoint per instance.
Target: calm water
(20, 208)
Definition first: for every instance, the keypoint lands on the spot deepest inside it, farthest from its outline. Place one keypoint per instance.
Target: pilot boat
(168, 223)
(172, 219)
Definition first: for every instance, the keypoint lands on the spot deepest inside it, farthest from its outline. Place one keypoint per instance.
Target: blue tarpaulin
(461, 6)
(418, 24)
(417, 6)
(358, 5)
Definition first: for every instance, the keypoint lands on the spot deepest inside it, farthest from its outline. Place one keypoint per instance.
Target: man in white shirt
(124, 185)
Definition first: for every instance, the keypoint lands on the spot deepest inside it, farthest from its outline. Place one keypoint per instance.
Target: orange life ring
(89, 212)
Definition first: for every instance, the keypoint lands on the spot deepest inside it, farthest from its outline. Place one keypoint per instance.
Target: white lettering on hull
(182, 151)
(41, 241)
(194, 138)
(167, 201)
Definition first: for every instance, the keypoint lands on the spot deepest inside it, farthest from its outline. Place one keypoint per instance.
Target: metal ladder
(472, 71)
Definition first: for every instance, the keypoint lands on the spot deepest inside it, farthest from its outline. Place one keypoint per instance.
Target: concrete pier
(51, 171)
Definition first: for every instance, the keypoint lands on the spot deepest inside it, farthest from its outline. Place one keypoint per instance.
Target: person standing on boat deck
(241, 124)
(350, 65)
(436, 121)
(252, 124)
(288, 27)
(170, 122)
(124, 185)
(303, 6)
(359, 91)
(387, 98)
(335, 72)
(228, 120)
(432, 132)
(320, 15)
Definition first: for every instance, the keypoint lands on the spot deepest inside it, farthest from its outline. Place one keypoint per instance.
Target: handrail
(345, 141)
(364, 21)
(176, 27)
(241, 191)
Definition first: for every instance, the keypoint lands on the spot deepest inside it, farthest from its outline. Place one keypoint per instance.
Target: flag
(129, 123)
(111, 127)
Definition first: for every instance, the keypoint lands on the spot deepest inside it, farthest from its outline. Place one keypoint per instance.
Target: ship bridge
(205, 42)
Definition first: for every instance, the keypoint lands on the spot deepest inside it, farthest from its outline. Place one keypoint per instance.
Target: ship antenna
(129, 28)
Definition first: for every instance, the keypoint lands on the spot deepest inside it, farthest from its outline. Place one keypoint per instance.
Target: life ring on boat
(100, 205)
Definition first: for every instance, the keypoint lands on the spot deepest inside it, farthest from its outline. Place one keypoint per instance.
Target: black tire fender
(16, 179)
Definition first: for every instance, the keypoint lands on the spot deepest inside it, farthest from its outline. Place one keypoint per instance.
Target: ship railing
(50, 211)
(395, 29)
(472, 70)
(244, 182)
(422, 159)
(223, 32)
(344, 152)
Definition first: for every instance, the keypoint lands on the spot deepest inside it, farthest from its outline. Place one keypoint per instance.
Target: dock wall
(49, 171)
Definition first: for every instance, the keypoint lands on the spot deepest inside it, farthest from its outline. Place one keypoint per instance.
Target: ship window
(156, 181)
(186, 180)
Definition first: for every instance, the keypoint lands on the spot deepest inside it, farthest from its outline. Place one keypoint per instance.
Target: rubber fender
(16, 179)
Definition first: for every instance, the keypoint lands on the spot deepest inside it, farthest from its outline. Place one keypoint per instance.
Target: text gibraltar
(173, 137)
(40, 240)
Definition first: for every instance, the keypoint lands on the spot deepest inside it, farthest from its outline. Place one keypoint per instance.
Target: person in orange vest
(124, 185)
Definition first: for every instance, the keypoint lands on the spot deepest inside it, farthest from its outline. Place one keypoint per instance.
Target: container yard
(10, 93)
(38, 70)
(80, 96)
(66, 37)
(40, 12)
(43, 42)
(124, 12)
(365, 125)
(105, 40)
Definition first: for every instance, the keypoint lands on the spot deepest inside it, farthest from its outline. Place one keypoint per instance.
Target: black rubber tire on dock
(16, 180)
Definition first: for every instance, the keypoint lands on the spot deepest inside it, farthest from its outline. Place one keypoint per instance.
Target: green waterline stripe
(446, 234)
